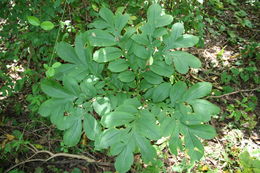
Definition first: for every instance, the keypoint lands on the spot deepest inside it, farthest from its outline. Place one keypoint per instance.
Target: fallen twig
(51, 156)
(235, 92)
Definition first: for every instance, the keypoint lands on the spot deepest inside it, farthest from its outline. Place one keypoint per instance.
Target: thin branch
(51, 156)
(235, 92)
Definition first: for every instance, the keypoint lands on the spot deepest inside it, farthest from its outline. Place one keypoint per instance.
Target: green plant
(248, 163)
(118, 89)
(242, 111)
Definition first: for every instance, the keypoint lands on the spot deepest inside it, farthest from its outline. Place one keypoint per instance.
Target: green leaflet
(126, 76)
(204, 131)
(117, 119)
(33, 20)
(198, 90)
(84, 53)
(182, 61)
(146, 125)
(161, 92)
(107, 15)
(67, 52)
(141, 52)
(147, 150)
(110, 137)
(162, 69)
(100, 38)
(152, 78)
(107, 54)
(177, 91)
(185, 41)
(102, 105)
(72, 135)
(204, 109)
(177, 31)
(47, 25)
(118, 65)
(125, 159)
(192, 145)
(120, 22)
(91, 127)
(156, 19)
(141, 39)
(54, 89)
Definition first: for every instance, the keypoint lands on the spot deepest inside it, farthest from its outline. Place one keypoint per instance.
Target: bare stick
(235, 92)
(51, 156)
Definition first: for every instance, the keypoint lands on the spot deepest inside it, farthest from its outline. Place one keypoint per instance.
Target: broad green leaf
(71, 85)
(152, 78)
(162, 69)
(141, 52)
(127, 76)
(46, 108)
(193, 145)
(204, 109)
(129, 107)
(118, 65)
(67, 52)
(185, 41)
(65, 122)
(161, 92)
(91, 127)
(177, 31)
(33, 20)
(183, 60)
(54, 89)
(141, 39)
(107, 54)
(168, 125)
(125, 159)
(88, 89)
(133, 102)
(121, 21)
(110, 137)
(198, 90)
(117, 119)
(117, 148)
(72, 135)
(47, 25)
(82, 52)
(146, 125)
(99, 24)
(102, 105)
(177, 91)
(203, 130)
(147, 150)
(159, 32)
(107, 15)
(100, 38)
(155, 17)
